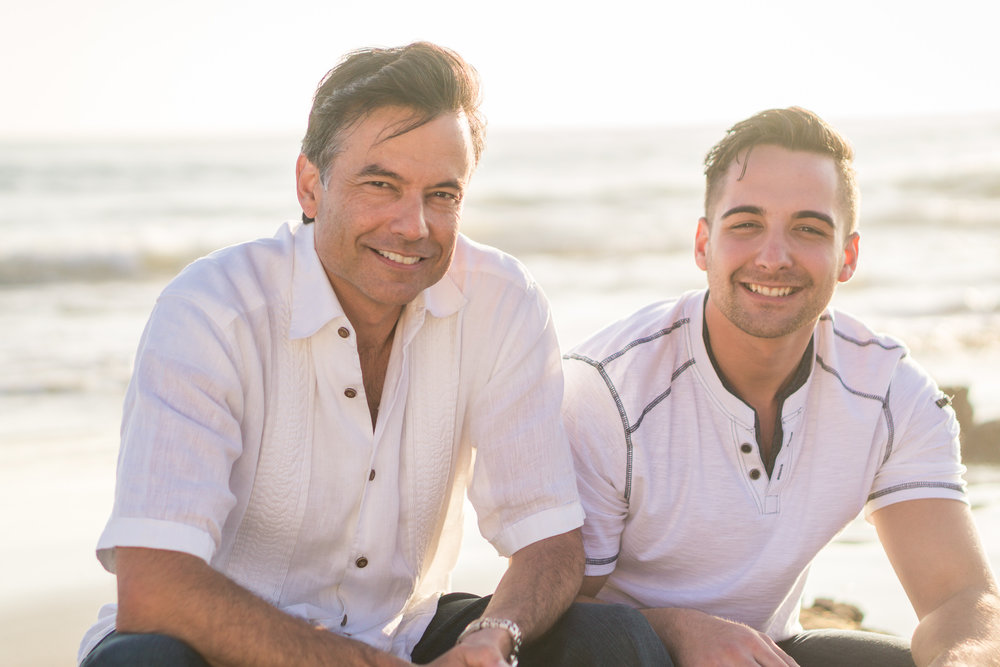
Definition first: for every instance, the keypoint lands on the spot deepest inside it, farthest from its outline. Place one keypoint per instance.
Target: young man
(723, 438)
(299, 431)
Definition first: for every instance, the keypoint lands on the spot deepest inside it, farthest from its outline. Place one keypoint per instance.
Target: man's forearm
(963, 631)
(539, 584)
(179, 595)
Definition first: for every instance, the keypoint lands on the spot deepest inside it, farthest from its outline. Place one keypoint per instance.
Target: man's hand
(696, 639)
(488, 647)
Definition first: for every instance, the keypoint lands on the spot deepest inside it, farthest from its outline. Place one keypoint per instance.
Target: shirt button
(344, 332)
(755, 474)
(350, 392)
(371, 475)
(361, 562)
(746, 448)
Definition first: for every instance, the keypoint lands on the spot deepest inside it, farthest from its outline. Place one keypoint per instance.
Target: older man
(300, 429)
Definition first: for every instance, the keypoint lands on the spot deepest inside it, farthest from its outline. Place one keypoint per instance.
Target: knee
(119, 650)
(612, 634)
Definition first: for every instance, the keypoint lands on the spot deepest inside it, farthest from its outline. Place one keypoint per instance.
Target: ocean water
(91, 231)
(605, 219)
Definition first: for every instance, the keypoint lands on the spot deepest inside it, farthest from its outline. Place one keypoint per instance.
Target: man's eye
(451, 196)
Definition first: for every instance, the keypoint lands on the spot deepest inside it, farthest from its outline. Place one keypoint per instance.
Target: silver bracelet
(506, 624)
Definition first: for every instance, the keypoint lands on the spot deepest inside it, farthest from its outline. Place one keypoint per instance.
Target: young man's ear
(307, 182)
(701, 244)
(850, 258)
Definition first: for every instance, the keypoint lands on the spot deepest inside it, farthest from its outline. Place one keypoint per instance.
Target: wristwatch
(506, 624)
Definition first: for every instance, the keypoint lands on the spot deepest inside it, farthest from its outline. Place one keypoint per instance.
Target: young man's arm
(934, 547)
(177, 594)
(696, 638)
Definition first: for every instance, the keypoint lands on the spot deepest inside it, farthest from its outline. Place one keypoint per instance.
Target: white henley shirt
(680, 509)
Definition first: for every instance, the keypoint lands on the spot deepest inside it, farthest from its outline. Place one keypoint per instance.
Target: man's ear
(701, 244)
(307, 184)
(850, 257)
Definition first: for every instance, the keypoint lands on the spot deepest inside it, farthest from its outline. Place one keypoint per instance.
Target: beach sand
(54, 508)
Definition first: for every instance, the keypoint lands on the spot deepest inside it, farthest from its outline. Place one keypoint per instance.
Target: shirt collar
(314, 303)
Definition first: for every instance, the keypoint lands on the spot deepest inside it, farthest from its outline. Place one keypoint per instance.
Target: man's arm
(935, 550)
(536, 589)
(177, 594)
(696, 638)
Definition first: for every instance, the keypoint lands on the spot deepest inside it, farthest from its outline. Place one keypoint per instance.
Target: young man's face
(387, 220)
(777, 243)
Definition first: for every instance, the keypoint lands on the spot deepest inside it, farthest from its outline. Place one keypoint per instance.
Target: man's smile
(399, 259)
(764, 290)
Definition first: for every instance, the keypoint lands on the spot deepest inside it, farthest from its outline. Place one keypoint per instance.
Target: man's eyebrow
(381, 172)
(752, 210)
(798, 215)
(817, 215)
(376, 170)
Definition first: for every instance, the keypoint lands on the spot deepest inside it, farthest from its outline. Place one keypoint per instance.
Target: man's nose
(409, 219)
(774, 252)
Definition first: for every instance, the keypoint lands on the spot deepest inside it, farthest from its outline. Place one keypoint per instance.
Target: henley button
(350, 392)
(361, 562)
(746, 448)
(371, 475)
(344, 332)
(755, 474)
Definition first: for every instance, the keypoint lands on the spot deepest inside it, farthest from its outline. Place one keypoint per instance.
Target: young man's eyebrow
(817, 215)
(798, 215)
(752, 210)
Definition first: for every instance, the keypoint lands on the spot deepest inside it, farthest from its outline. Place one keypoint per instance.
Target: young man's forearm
(965, 630)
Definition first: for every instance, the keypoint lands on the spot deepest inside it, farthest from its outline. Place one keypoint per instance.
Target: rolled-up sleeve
(180, 436)
(523, 485)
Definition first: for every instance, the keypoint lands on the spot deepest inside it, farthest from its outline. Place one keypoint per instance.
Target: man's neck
(755, 368)
(375, 332)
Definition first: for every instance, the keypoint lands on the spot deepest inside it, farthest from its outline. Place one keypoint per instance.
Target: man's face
(387, 220)
(776, 245)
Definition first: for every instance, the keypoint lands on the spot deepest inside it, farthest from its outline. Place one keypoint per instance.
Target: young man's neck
(755, 368)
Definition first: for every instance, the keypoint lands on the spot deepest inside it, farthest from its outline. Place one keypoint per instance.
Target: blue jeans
(586, 635)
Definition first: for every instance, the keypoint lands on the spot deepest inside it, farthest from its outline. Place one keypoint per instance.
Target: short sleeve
(180, 437)
(596, 435)
(923, 455)
(522, 487)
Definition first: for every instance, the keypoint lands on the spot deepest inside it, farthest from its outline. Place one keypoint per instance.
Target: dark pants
(586, 635)
(847, 648)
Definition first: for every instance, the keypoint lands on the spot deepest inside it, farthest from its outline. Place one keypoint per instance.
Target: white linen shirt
(680, 510)
(247, 439)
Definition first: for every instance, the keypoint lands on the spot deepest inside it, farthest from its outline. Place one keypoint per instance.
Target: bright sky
(73, 67)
